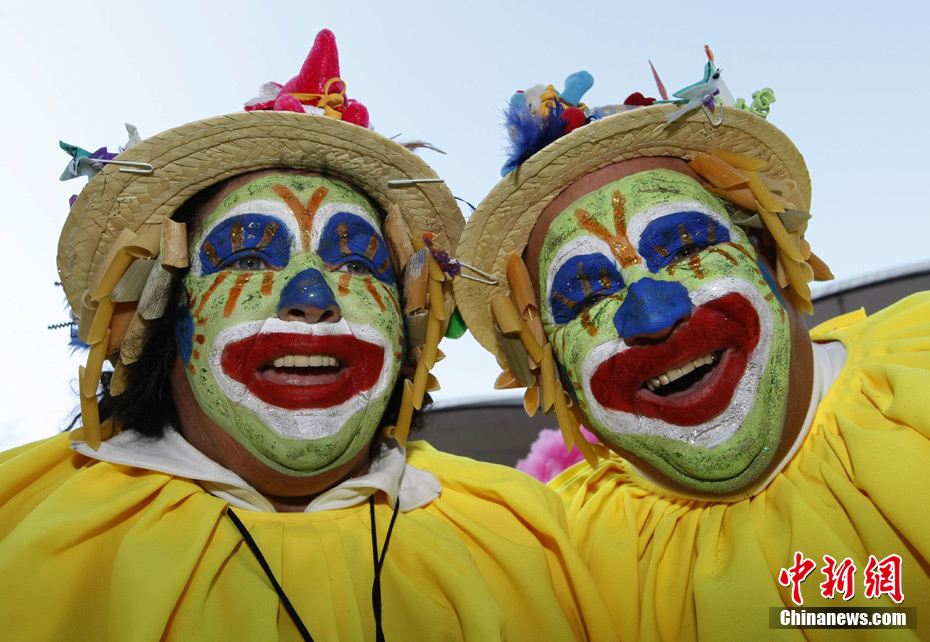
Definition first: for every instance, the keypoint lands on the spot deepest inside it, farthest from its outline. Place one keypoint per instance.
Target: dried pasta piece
(548, 382)
(119, 323)
(421, 378)
(521, 287)
(119, 379)
(174, 244)
(805, 248)
(564, 418)
(780, 234)
(90, 416)
(741, 196)
(506, 381)
(131, 284)
(416, 282)
(821, 270)
(720, 173)
(531, 401)
(111, 268)
(506, 315)
(154, 299)
(95, 358)
(99, 329)
(516, 358)
(435, 272)
(437, 306)
(431, 347)
(739, 161)
(416, 324)
(781, 277)
(402, 428)
(533, 349)
(397, 235)
(763, 195)
(131, 347)
(88, 312)
(147, 243)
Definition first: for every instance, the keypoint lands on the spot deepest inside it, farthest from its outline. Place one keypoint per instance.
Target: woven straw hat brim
(502, 223)
(189, 158)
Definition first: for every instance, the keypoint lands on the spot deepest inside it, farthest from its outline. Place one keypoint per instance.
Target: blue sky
(849, 79)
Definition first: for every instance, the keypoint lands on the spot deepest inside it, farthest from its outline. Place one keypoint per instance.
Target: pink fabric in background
(548, 456)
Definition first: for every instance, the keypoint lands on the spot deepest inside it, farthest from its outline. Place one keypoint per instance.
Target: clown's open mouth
(297, 371)
(686, 377)
(690, 377)
(302, 370)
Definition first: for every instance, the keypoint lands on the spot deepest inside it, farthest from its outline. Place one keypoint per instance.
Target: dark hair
(147, 403)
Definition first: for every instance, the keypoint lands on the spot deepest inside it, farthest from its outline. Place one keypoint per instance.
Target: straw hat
(121, 221)
(190, 158)
(501, 225)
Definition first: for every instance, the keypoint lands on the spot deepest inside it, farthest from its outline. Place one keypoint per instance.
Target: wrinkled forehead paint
(633, 200)
(302, 193)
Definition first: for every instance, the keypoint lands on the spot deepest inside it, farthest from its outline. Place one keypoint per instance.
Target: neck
(299, 503)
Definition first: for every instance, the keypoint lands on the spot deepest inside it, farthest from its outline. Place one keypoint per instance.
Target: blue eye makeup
(581, 282)
(674, 237)
(241, 242)
(348, 238)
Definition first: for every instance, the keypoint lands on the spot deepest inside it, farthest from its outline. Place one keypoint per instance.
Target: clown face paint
(670, 329)
(292, 337)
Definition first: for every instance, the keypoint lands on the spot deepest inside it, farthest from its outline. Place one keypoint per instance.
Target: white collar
(173, 455)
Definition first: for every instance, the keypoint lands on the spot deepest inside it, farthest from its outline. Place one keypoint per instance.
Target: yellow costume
(682, 569)
(91, 550)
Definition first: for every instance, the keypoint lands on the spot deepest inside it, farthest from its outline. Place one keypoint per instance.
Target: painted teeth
(305, 361)
(677, 373)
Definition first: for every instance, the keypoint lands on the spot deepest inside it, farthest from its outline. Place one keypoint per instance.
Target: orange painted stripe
(314, 203)
(393, 300)
(206, 295)
(344, 280)
(373, 291)
(237, 236)
(373, 245)
(267, 235)
(210, 251)
(234, 293)
(267, 282)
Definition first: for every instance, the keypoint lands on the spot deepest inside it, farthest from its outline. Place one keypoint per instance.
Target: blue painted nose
(308, 298)
(651, 309)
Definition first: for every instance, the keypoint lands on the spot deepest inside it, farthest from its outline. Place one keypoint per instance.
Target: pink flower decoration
(548, 456)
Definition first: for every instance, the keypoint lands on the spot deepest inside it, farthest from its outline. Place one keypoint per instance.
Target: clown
(653, 276)
(261, 283)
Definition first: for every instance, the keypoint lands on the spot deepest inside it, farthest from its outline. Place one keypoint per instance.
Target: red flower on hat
(317, 86)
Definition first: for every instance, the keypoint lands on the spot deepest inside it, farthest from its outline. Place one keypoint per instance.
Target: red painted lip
(360, 361)
(729, 325)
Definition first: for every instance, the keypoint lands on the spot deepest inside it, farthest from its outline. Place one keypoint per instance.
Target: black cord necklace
(377, 559)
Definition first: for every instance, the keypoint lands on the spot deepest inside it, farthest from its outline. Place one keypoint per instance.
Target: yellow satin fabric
(679, 569)
(95, 551)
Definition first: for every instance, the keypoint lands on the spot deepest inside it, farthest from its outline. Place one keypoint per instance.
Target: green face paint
(292, 338)
(670, 329)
